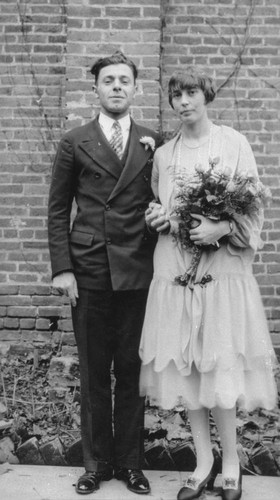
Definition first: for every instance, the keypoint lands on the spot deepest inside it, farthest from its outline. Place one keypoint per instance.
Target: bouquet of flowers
(217, 195)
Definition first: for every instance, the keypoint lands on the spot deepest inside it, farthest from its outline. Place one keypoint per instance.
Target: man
(104, 264)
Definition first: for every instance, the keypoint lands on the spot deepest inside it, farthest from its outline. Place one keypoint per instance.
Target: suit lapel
(96, 146)
(136, 159)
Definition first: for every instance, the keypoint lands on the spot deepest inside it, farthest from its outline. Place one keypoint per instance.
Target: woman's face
(189, 105)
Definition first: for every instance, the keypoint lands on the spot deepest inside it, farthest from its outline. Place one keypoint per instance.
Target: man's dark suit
(110, 252)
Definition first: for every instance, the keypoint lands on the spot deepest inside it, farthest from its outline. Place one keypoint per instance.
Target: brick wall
(239, 44)
(100, 28)
(32, 94)
(48, 47)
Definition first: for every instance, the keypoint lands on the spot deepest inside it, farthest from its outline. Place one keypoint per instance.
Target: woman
(206, 344)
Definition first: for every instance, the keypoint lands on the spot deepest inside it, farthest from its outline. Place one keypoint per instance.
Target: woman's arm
(155, 216)
(243, 231)
(247, 229)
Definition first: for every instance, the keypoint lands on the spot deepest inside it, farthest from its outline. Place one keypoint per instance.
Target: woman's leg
(199, 421)
(226, 424)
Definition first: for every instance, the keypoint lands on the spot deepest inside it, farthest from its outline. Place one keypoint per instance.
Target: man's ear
(94, 88)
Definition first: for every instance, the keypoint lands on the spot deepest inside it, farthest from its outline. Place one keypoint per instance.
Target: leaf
(211, 197)
(3, 408)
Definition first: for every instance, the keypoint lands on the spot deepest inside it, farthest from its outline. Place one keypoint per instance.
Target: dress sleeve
(247, 229)
(173, 219)
(155, 175)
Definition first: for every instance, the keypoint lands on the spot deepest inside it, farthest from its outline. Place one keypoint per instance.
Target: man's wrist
(151, 229)
(167, 229)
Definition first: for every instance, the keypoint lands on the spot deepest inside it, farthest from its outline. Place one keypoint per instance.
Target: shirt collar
(106, 122)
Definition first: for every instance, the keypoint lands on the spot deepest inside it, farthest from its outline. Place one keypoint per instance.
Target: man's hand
(65, 283)
(155, 218)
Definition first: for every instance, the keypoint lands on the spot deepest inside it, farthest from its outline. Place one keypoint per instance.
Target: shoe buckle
(192, 483)
(230, 483)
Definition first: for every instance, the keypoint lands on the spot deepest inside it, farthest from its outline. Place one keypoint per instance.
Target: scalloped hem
(222, 388)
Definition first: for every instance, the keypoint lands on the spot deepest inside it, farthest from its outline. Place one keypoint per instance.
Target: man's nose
(117, 84)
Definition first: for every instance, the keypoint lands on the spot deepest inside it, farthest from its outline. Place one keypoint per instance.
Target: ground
(26, 411)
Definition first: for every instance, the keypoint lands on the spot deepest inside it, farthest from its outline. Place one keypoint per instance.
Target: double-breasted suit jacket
(108, 246)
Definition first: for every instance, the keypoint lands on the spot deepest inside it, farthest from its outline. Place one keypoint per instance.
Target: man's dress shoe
(134, 479)
(90, 481)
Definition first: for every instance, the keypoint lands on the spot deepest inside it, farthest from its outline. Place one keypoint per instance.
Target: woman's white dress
(206, 345)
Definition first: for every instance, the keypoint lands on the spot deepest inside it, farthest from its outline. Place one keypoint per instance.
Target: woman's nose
(185, 99)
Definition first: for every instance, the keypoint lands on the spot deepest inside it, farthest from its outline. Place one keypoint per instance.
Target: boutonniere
(148, 142)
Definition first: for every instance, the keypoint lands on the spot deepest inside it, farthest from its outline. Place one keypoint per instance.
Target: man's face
(116, 89)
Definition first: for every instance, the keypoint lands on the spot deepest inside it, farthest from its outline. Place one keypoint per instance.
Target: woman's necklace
(198, 162)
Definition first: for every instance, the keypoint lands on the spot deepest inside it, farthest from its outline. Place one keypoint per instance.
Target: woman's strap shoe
(90, 481)
(134, 479)
(232, 488)
(194, 487)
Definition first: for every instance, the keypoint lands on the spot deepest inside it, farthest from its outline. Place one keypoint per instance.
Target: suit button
(108, 207)
(97, 175)
(109, 241)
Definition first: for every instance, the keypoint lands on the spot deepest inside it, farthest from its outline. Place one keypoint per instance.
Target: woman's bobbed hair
(191, 77)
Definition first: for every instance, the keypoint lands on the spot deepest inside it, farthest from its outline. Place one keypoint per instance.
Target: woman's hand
(155, 217)
(208, 231)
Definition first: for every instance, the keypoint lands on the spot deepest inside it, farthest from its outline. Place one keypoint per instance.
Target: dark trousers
(107, 328)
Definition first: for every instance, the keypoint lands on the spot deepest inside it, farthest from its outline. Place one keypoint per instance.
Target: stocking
(199, 421)
(226, 424)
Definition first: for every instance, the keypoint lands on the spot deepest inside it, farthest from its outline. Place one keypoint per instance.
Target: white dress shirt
(106, 124)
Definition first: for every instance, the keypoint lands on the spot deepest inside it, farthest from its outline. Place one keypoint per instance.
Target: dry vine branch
(48, 137)
(238, 63)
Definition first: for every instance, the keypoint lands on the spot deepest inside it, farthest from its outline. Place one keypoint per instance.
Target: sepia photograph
(140, 249)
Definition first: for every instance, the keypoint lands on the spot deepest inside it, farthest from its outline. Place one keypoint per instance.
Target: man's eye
(176, 95)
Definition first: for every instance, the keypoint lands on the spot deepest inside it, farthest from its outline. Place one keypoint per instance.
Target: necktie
(116, 140)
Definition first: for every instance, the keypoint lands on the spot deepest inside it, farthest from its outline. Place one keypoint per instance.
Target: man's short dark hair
(192, 77)
(117, 58)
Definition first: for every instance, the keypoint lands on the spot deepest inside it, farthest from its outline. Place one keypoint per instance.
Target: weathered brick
(35, 337)
(27, 323)
(68, 339)
(42, 324)
(47, 312)
(66, 325)
(10, 336)
(11, 323)
(50, 300)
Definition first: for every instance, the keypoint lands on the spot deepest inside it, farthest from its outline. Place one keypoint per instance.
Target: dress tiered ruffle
(206, 345)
